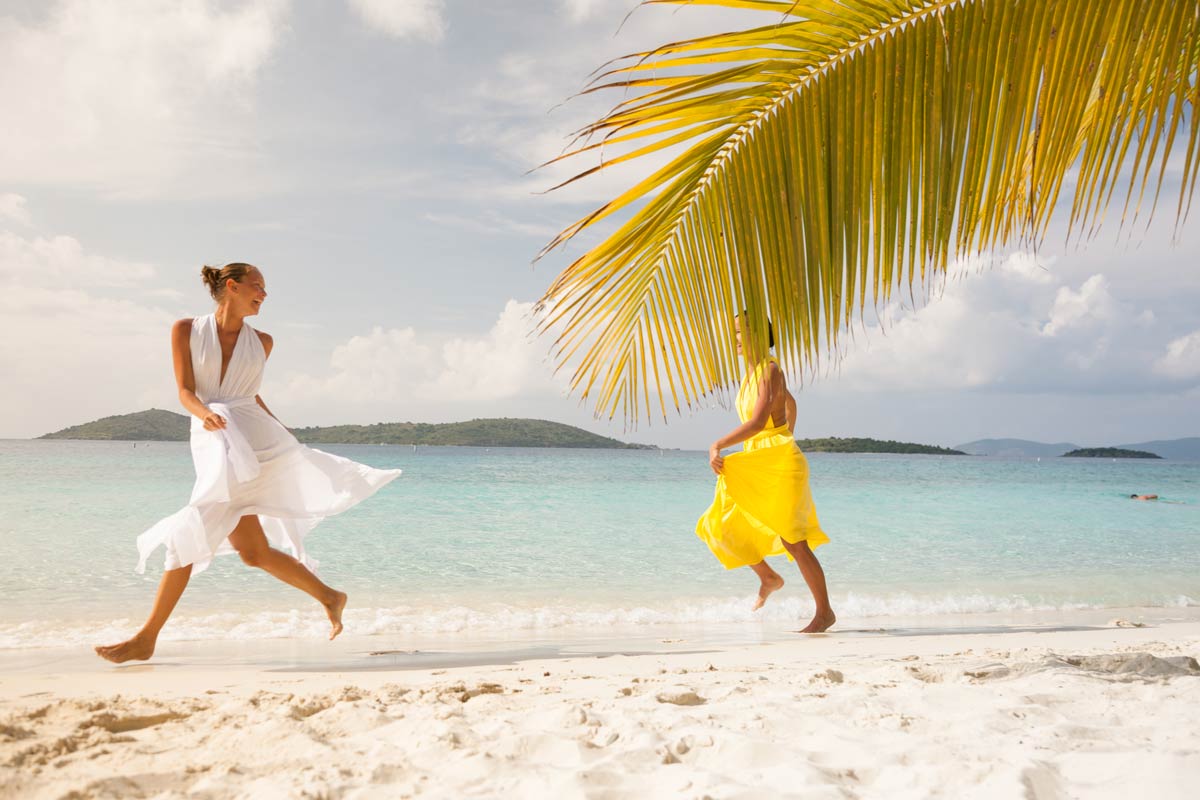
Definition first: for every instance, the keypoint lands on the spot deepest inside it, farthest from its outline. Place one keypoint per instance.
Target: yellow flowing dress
(762, 496)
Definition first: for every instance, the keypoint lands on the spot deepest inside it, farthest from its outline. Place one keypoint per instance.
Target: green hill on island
(1109, 452)
(852, 445)
(166, 426)
(154, 425)
(476, 433)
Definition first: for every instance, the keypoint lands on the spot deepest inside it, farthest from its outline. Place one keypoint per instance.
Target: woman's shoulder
(768, 368)
(267, 341)
(771, 372)
(186, 324)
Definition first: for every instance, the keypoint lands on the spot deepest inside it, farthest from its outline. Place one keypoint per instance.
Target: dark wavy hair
(770, 331)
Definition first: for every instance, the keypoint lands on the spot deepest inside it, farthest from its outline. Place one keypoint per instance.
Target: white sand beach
(1087, 711)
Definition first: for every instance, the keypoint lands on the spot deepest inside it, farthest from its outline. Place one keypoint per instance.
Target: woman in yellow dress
(763, 506)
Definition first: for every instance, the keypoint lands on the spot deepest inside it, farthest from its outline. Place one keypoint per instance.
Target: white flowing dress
(253, 466)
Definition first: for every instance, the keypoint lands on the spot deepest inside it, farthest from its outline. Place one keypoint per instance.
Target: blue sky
(372, 156)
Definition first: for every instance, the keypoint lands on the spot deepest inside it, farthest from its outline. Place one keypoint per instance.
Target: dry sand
(1106, 712)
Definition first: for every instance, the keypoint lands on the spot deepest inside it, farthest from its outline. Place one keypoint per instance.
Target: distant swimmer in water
(1143, 497)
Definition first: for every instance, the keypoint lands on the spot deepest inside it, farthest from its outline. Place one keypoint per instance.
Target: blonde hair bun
(216, 277)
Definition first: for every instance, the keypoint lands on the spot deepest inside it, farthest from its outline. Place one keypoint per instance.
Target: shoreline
(223, 637)
(408, 652)
(925, 713)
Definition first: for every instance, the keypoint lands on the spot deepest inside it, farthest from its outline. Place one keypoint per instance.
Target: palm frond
(848, 148)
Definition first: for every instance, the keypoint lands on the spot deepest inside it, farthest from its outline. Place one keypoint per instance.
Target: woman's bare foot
(334, 610)
(769, 586)
(139, 648)
(821, 622)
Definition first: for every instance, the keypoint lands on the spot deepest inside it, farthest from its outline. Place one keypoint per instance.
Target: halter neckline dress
(762, 497)
(252, 466)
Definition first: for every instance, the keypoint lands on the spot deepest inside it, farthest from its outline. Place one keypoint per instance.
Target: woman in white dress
(257, 488)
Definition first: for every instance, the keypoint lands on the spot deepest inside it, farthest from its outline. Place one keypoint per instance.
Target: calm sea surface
(528, 539)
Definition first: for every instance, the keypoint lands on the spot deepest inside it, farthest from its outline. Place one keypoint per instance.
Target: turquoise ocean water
(475, 539)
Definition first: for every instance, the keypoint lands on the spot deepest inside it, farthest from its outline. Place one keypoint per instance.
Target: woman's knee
(253, 556)
(798, 549)
(248, 539)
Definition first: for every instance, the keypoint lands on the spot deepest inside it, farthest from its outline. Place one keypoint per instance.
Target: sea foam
(498, 619)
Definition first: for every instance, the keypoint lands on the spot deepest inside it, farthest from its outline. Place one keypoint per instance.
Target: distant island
(474, 433)
(156, 425)
(838, 445)
(1109, 452)
(1186, 449)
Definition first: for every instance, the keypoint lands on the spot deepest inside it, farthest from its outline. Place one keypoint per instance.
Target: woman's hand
(714, 460)
(213, 421)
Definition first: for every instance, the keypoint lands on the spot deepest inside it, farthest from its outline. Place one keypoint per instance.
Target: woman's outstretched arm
(185, 379)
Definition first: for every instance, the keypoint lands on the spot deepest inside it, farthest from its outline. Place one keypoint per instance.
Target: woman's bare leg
(814, 576)
(141, 646)
(251, 543)
(771, 581)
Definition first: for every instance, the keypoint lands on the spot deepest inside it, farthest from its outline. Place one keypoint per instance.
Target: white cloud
(128, 94)
(12, 207)
(1182, 359)
(1016, 327)
(78, 339)
(946, 344)
(404, 19)
(504, 363)
(398, 373)
(376, 367)
(1023, 265)
(1091, 303)
(61, 262)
